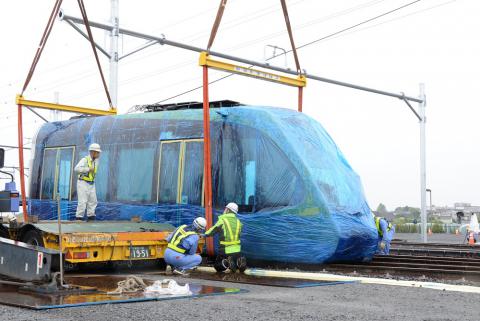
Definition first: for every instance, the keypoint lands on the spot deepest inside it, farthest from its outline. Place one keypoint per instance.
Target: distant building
(459, 213)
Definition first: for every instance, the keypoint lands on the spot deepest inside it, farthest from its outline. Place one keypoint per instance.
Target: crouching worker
(229, 256)
(386, 231)
(182, 247)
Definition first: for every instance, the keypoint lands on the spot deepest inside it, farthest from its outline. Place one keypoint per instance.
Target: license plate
(139, 252)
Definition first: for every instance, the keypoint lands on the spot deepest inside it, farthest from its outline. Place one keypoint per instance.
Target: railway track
(437, 261)
(434, 249)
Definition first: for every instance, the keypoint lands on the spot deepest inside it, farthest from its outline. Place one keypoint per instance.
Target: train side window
(135, 173)
(169, 172)
(278, 182)
(250, 180)
(192, 174)
(48, 173)
(254, 172)
(57, 173)
(65, 167)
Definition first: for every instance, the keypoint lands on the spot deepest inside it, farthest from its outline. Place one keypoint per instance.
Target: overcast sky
(432, 41)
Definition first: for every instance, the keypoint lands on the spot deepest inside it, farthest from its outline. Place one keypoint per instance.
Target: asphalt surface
(338, 302)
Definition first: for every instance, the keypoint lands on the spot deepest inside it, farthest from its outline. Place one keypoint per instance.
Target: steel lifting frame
(206, 62)
(21, 101)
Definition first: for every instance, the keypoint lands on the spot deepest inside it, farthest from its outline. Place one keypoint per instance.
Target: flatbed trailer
(98, 241)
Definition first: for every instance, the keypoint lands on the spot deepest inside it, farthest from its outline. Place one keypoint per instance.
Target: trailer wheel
(33, 237)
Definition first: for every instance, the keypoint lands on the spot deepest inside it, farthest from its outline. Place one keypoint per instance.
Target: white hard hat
(199, 223)
(232, 207)
(94, 147)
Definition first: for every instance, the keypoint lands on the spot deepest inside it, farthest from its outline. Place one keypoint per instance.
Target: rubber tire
(33, 237)
(4, 232)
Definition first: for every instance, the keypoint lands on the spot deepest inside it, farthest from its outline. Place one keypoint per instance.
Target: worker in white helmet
(86, 194)
(230, 229)
(181, 253)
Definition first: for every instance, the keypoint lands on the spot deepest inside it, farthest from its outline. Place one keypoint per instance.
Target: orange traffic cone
(429, 231)
(471, 240)
(457, 232)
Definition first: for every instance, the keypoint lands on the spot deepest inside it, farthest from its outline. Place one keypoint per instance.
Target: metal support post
(206, 160)
(60, 236)
(423, 175)
(114, 35)
(20, 161)
(56, 100)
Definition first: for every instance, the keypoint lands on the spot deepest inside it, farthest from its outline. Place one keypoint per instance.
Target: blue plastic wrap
(299, 199)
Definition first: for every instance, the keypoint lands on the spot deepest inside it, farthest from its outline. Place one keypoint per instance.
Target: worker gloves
(382, 245)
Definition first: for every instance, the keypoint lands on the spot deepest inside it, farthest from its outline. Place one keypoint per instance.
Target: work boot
(180, 272)
(90, 218)
(78, 219)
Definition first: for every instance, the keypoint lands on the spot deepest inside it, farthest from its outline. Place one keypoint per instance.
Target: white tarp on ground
(168, 287)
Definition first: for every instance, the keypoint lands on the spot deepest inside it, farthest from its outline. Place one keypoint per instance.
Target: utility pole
(114, 35)
(423, 170)
(56, 100)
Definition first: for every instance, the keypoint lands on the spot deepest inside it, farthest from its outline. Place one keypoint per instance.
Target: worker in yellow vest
(86, 193)
(386, 231)
(181, 253)
(230, 229)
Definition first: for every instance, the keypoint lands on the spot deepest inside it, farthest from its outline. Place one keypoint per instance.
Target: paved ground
(434, 238)
(339, 302)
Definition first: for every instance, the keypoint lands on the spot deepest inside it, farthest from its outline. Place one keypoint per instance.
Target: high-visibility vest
(89, 177)
(178, 236)
(377, 223)
(232, 228)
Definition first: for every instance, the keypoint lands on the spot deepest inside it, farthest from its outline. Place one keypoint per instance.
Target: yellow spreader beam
(73, 109)
(205, 60)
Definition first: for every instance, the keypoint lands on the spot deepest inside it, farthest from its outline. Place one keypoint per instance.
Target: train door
(57, 175)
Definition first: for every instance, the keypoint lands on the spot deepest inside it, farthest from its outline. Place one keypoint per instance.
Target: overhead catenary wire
(256, 15)
(358, 24)
(308, 44)
(85, 57)
(153, 73)
(228, 25)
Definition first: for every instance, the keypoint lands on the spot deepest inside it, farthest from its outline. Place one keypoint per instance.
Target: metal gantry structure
(246, 69)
